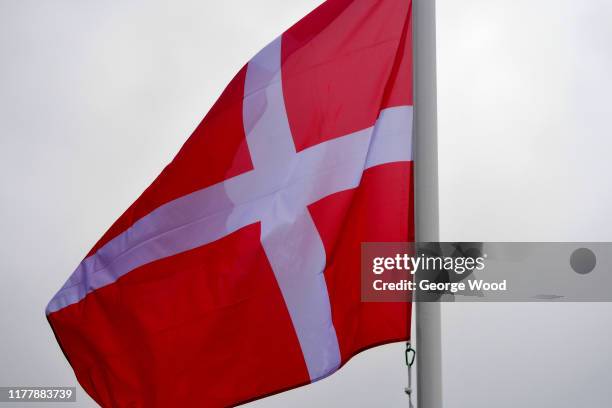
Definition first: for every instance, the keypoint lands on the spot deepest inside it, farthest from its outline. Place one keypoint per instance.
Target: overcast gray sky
(96, 97)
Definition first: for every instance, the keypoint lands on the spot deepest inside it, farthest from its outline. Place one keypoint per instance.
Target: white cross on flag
(236, 274)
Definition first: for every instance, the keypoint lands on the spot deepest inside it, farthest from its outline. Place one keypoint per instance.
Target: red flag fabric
(236, 274)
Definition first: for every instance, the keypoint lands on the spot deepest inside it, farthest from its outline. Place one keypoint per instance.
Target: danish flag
(236, 274)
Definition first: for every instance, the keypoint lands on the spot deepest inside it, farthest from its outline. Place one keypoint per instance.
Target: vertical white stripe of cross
(288, 234)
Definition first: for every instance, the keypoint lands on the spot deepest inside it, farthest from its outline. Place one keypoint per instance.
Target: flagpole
(427, 314)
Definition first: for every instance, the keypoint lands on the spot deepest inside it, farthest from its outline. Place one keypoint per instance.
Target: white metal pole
(428, 330)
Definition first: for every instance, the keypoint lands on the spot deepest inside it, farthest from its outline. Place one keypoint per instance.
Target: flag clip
(410, 355)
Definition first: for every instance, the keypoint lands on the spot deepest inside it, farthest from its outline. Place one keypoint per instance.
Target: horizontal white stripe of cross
(276, 193)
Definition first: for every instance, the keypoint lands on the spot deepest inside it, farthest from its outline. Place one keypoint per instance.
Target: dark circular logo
(583, 261)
